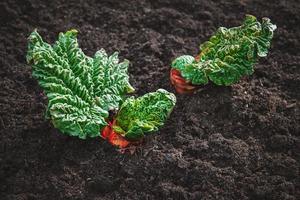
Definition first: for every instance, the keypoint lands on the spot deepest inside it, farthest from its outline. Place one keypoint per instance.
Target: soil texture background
(237, 142)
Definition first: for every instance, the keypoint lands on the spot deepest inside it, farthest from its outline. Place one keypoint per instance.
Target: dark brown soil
(238, 142)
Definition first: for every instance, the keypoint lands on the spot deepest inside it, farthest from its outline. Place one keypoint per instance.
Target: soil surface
(238, 142)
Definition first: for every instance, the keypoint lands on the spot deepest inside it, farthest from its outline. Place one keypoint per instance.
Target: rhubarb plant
(81, 90)
(229, 54)
(144, 114)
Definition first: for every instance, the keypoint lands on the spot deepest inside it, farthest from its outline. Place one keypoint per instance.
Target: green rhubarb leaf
(80, 89)
(180, 62)
(229, 54)
(138, 116)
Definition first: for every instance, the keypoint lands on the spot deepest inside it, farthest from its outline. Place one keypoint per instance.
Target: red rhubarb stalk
(181, 85)
(113, 137)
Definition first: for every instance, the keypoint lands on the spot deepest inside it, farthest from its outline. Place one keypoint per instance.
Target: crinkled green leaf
(80, 89)
(144, 114)
(180, 62)
(229, 54)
